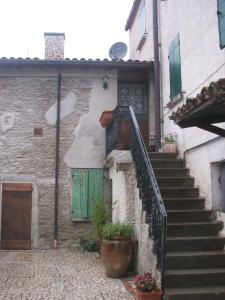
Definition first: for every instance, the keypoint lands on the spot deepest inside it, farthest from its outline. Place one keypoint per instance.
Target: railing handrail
(161, 242)
(151, 172)
(124, 133)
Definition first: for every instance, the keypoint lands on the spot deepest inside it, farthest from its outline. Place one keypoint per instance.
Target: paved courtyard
(56, 275)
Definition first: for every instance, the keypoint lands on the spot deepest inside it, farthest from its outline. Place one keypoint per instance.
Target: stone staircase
(195, 261)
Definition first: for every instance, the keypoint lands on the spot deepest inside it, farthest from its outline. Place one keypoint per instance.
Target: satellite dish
(118, 51)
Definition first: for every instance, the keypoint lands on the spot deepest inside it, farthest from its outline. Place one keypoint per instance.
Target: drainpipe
(57, 162)
(157, 74)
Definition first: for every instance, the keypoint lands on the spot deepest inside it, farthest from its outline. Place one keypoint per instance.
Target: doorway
(16, 216)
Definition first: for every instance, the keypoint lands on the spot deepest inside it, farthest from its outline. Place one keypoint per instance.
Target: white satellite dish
(118, 51)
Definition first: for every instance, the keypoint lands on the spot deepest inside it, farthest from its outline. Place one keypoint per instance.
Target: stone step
(195, 243)
(175, 181)
(194, 229)
(171, 172)
(194, 277)
(162, 155)
(197, 259)
(197, 293)
(184, 203)
(166, 163)
(179, 192)
(190, 215)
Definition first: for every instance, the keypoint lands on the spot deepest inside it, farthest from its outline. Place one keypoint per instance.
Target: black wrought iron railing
(149, 191)
(118, 131)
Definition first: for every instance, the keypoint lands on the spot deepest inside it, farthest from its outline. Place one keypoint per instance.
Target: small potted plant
(170, 142)
(117, 249)
(146, 287)
(106, 118)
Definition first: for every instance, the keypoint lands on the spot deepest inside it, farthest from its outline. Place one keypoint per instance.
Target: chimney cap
(54, 34)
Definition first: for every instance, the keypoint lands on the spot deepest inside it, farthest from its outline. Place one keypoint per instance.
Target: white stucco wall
(146, 52)
(202, 61)
(88, 148)
(127, 208)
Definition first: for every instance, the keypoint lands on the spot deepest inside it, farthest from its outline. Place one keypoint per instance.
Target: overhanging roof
(74, 62)
(205, 109)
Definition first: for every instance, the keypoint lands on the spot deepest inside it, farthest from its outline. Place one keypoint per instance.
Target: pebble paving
(54, 275)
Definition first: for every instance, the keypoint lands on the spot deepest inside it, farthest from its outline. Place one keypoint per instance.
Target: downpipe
(57, 163)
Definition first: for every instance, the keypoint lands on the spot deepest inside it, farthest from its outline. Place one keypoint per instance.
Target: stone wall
(127, 207)
(30, 97)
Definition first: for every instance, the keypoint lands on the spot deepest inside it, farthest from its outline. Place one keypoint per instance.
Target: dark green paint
(175, 67)
(221, 21)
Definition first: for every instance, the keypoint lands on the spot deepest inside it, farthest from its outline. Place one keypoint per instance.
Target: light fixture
(105, 81)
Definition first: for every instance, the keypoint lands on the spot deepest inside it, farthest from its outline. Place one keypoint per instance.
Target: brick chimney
(54, 45)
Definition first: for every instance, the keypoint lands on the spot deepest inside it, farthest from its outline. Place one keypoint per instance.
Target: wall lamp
(105, 81)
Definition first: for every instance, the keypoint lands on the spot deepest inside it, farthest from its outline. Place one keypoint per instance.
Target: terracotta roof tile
(215, 89)
(67, 61)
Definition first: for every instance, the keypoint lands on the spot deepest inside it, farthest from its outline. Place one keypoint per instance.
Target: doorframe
(34, 204)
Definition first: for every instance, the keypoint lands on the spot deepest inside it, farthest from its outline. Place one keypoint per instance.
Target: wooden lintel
(17, 187)
(212, 128)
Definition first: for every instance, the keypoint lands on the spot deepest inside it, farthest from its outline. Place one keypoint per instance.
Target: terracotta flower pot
(106, 118)
(148, 295)
(170, 147)
(115, 256)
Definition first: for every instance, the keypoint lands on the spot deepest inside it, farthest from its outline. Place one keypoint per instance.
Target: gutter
(57, 162)
(157, 74)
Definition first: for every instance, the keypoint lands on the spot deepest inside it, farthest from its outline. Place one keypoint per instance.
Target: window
(142, 19)
(175, 67)
(221, 21)
(87, 191)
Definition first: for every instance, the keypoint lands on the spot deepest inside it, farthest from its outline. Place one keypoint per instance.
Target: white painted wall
(146, 53)
(88, 148)
(202, 61)
(127, 208)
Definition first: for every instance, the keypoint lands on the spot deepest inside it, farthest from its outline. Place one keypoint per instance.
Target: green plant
(100, 217)
(170, 137)
(145, 283)
(117, 231)
(89, 244)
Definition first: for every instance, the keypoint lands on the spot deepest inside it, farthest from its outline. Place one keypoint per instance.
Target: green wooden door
(87, 191)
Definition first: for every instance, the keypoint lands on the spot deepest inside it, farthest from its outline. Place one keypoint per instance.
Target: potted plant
(100, 217)
(117, 248)
(146, 288)
(106, 118)
(170, 142)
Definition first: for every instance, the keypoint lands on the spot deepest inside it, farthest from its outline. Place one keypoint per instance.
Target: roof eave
(75, 62)
(132, 14)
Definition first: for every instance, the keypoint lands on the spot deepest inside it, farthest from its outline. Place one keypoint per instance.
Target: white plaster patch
(7, 121)
(87, 145)
(67, 106)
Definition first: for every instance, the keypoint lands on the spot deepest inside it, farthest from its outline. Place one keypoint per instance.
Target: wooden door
(16, 216)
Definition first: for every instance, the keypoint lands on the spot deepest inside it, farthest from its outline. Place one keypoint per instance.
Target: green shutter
(87, 190)
(221, 21)
(175, 67)
(95, 188)
(80, 194)
(171, 69)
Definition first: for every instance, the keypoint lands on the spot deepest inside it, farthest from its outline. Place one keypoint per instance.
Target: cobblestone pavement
(51, 275)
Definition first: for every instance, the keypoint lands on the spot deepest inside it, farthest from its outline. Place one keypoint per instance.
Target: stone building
(52, 147)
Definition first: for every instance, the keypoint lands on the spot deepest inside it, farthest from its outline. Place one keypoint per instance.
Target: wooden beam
(212, 128)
